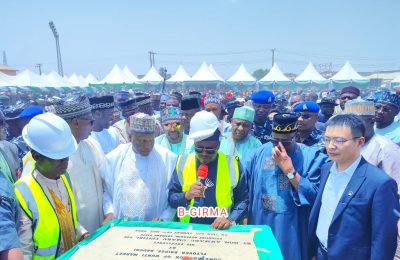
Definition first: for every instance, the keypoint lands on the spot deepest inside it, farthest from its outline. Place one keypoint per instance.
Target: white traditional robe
(121, 130)
(107, 138)
(384, 154)
(136, 186)
(83, 168)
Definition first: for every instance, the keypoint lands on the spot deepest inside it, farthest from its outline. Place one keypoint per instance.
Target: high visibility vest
(227, 178)
(37, 206)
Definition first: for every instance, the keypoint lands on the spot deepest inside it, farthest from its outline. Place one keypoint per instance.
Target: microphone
(202, 173)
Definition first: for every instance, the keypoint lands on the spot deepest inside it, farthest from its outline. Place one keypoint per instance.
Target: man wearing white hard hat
(227, 194)
(49, 223)
(137, 175)
(84, 163)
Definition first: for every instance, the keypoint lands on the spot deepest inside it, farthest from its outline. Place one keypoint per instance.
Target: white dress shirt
(333, 191)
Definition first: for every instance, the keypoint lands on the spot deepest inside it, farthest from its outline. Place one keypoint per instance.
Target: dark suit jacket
(364, 225)
(10, 153)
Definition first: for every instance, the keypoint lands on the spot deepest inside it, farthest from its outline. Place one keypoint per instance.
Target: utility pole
(4, 58)
(39, 66)
(151, 58)
(56, 37)
(273, 56)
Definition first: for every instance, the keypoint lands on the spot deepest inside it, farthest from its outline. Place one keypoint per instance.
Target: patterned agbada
(274, 202)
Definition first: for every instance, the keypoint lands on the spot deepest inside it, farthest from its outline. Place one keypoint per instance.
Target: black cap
(284, 123)
(100, 103)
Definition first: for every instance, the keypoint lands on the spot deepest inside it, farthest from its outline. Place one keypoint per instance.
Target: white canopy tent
(215, 73)
(275, 76)
(152, 77)
(180, 76)
(90, 79)
(129, 74)
(77, 81)
(5, 80)
(310, 75)
(242, 76)
(117, 76)
(204, 75)
(28, 78)
(347, 74)
(396, 80)
(53, 79)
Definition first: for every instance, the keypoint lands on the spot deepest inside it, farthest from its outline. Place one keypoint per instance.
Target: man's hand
(282, 159)
(108, 218)
(221, 223)
(195, 191)
(84, 236)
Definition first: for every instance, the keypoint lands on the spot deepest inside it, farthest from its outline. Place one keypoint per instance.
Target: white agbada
(137, 186)
(83, 168)
(384, 154)
(107, 138)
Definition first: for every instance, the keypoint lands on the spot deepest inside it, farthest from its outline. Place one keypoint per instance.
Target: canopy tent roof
(348, 74)
(5, 80)
(77, 81)
(180, 75)
(152, 77)
(396, 80)
(129, 74)
(28, 78)
(242, 75)
(275, 75)
(53, 79)
(117, 76)
(204, 74)
(215, 73)
(310, 75)
(90, 79)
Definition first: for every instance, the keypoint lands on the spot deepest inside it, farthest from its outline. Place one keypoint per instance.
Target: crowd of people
(321, 169)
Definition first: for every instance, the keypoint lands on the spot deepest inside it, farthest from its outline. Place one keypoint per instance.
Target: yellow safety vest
(227, 176)
(37, 206)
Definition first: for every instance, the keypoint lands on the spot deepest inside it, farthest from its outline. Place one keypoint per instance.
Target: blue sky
(95, 35)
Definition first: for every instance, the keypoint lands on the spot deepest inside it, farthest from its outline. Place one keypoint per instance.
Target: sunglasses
(304, 116)
(283, 141)
(175, 125)
(200, 149)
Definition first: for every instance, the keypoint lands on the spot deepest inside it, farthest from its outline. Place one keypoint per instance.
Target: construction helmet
(50, 135)
(203, 125)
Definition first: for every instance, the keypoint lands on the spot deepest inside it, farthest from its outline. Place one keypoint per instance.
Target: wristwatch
(291, 175)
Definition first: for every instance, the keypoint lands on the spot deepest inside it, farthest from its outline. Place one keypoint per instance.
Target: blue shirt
(8, 216)
(333, 191)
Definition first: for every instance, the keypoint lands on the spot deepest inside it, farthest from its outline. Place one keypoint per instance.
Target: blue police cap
(263, 97)
(306, 106)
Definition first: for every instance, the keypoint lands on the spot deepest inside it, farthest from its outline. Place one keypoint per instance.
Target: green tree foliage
(258, 74)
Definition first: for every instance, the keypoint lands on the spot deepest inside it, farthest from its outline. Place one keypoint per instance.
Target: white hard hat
(203, 125)
(50, 135)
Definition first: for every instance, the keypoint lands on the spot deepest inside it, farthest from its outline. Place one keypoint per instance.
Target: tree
(258, 74)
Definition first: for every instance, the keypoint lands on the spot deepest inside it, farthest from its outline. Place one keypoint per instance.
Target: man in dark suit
(353, 214)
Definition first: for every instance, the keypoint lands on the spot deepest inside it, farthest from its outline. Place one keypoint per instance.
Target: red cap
(202, 172)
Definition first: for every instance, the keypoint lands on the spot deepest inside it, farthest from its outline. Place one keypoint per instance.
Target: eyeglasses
(283, 141)
(303, 115)
(200, 149)
(343, 98)
(336, 140)
(175, 125)
(384, 109)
